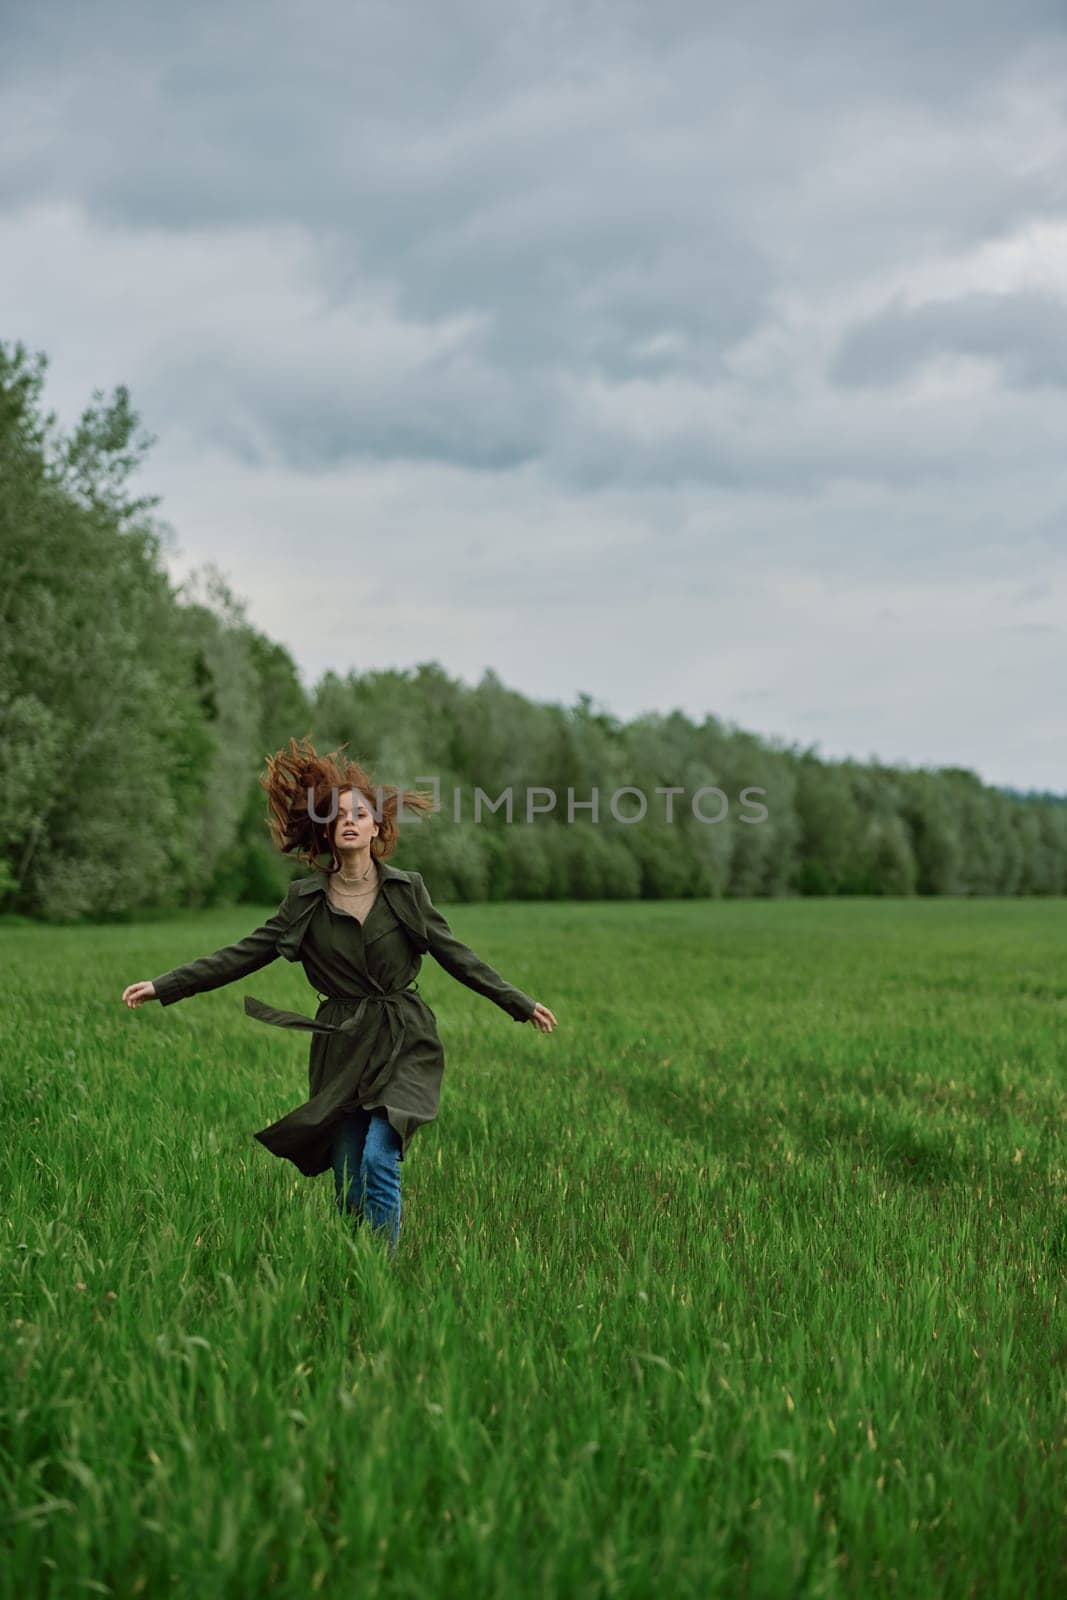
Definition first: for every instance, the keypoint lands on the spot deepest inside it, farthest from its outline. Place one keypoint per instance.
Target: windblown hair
(299, 771)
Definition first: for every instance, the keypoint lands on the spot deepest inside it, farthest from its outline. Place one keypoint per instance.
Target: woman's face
(354, 825)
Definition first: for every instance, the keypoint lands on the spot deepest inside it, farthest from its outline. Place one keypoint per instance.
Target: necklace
(362, 877)
(337, 884)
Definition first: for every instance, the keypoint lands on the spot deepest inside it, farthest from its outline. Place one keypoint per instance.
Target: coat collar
(317, 880)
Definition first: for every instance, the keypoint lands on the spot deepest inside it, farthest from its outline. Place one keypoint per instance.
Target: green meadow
(746, 1281)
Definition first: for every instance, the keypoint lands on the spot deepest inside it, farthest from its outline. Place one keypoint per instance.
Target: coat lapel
(397, 887)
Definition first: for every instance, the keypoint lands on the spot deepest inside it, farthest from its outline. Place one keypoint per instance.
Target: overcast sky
(691, 355)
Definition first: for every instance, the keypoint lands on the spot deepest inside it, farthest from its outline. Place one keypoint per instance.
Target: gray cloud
(604, 309)
(617, 192)
(1026, 334)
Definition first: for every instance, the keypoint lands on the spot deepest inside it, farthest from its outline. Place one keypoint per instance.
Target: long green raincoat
(374, 1038)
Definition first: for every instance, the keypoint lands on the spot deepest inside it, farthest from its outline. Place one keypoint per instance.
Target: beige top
(357, 903)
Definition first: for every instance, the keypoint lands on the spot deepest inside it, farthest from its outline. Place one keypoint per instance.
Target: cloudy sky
(684, 354)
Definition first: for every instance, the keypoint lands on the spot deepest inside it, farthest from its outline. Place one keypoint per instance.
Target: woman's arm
(233, 961)
(460, 961)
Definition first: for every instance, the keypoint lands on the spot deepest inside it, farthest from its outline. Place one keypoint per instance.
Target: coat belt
(351, 1024)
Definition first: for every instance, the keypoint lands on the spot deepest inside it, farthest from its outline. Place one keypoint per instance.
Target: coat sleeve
(460, 961)
(233, 961)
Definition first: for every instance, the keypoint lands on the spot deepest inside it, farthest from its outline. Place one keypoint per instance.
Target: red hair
(295, 773)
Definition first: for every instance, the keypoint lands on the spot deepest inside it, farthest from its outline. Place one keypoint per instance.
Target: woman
(360, 928)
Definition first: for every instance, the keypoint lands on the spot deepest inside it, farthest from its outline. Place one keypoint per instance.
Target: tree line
(135, 718)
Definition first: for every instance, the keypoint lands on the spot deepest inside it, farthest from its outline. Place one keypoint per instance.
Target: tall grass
(748, 1280)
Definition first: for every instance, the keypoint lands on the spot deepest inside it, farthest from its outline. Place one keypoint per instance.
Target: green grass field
(747, 1281)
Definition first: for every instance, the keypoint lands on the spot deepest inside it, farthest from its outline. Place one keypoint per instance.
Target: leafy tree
(96, 705)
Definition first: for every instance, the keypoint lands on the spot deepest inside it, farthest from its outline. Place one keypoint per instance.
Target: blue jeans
(366, 1170)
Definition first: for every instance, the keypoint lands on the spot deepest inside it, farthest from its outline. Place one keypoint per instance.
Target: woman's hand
(542, 1018)
(135, 994)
